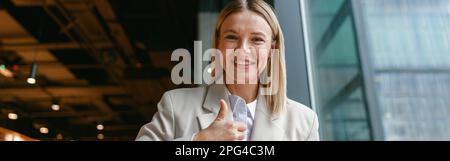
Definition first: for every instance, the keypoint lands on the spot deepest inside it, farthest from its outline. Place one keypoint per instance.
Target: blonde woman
(238, 111)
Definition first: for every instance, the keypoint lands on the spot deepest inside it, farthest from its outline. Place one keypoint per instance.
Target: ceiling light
(32, 78)
(100, 127)
(100, 136)
(12, 116)
(55, 107)
(59, 136)
(43, 130)
(31, 81)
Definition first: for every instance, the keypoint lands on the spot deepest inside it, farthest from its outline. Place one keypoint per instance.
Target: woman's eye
(258, 40)
(231, 37)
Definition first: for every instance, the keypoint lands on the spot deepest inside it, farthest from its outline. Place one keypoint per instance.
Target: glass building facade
(376, 69)
(336, 72)
(396, 51)
(408, 45)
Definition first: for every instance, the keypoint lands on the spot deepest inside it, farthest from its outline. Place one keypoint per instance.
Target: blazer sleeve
(314, 132)
(162, 125)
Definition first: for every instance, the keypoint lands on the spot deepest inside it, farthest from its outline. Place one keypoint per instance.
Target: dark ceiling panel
(36, 22)
(94, 76)
(152, 26)
(69, 57)
(161, 25)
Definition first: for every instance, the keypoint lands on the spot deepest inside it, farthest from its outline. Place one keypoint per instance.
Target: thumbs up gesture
(222, 130)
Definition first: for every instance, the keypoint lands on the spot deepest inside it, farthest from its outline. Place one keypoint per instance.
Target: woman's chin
(245, 79)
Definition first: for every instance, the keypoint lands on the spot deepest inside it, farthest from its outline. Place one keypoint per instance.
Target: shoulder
(182, 93)
(303, 120)
(296, 107)
(182, 101)
(300, 111)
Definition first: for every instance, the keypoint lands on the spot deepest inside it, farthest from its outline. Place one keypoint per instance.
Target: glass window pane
(409, 46)
(338, 84)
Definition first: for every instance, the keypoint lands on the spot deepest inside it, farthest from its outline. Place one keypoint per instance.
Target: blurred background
(95, 69)
(101, 65)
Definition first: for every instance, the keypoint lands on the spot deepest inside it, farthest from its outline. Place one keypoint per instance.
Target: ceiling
(104, 61)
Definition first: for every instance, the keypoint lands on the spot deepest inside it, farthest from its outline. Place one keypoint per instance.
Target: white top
(251, 109)
(251, 106)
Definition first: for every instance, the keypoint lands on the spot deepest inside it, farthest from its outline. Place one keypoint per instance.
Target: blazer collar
(215, 92)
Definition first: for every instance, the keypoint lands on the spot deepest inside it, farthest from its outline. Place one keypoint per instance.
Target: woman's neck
(248, 92)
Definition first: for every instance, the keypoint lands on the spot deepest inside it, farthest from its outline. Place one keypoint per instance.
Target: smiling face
(249, 38)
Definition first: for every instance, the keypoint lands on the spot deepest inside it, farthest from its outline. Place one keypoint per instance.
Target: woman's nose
(244, 47)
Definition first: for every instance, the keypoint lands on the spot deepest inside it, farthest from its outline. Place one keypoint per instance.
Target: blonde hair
(277, 101)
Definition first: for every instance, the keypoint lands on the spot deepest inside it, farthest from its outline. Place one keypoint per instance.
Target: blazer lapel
(206, 119)
(211, 105)
(265, 126)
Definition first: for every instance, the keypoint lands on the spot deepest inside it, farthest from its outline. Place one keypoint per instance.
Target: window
(408, 45)
(336, 75)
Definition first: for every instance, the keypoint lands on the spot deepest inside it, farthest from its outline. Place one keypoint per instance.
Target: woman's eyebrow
(230, 30)
(258, 33)
(253, 33)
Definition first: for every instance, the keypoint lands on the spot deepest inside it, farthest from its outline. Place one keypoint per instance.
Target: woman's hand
(222, 130)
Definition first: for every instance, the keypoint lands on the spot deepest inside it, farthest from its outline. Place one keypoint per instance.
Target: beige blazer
(184, 112)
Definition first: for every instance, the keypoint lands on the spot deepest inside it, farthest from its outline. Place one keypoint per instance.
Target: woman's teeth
(243, 62)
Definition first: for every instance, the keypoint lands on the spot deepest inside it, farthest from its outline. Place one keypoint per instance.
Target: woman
(238, 111)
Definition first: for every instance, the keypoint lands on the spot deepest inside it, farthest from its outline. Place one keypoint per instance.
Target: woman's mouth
(243, 64)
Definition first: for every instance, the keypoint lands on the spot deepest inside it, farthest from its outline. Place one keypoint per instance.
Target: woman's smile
(244, 64)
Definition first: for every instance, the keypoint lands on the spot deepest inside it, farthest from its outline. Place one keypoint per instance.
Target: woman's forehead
(246, 21)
